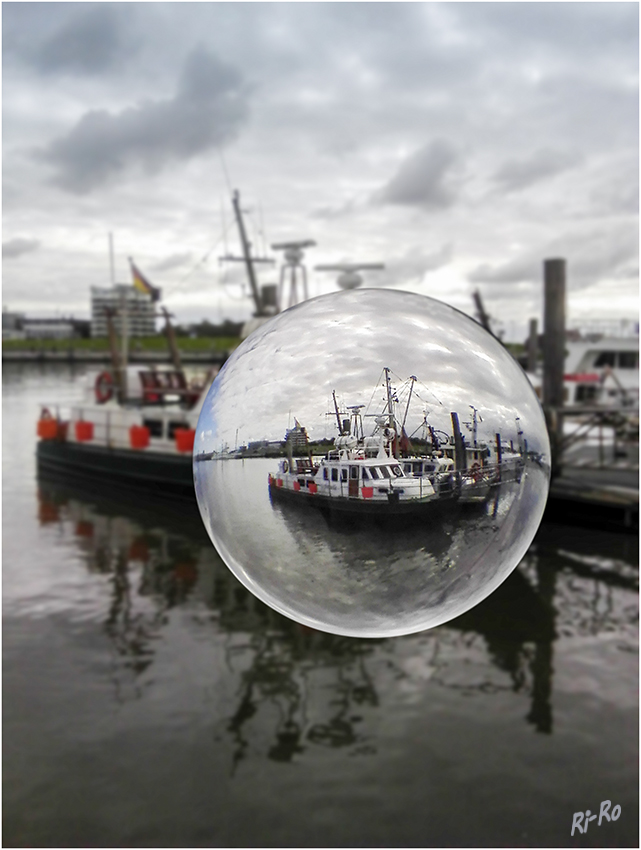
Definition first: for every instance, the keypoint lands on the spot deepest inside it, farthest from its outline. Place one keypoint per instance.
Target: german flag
(142, 284)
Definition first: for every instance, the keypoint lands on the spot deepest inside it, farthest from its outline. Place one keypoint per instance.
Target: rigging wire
(376, 386)
(224, 168)
(172, 288)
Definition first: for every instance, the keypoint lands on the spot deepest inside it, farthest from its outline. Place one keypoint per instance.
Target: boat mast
(390, 407)
(475, 419)
(409, 398)
(405, 443)
(115, 357)
(338, 417)
(246, 247)
(171, 341)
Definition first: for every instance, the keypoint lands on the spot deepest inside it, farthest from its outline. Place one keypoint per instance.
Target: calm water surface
(150, 700)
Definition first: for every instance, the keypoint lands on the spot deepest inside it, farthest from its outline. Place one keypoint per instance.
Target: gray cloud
(519, 173)
(336, 101)
(172, 262)
(425, 179)
(90, 43)
(413, 264)
(19, 246)
(207, 110)
(600, 255)
(519, 270)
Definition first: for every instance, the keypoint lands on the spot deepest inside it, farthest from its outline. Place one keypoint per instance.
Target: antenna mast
(390, 407)
(349, 277)
(294, 263)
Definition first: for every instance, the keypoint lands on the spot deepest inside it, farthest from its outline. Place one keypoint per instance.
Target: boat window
(628, 359)
(365, 475)
(606, 358)
(586, 392)
(343, 474)
(154, 425)
(374, 472)
(171, 428)
(353, 472)
(398, 472)
(384, 471)
(325, 473)
(334, 474)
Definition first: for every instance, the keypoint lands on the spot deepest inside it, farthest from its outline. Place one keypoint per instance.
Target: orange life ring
(104, 387)
(475, 470)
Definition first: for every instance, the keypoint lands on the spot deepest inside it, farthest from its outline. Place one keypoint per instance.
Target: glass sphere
(371, 463)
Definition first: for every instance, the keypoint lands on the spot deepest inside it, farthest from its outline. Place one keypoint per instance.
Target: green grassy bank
(148, 343)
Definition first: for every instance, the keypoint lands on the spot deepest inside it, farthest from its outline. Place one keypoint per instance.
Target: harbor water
(151, 701)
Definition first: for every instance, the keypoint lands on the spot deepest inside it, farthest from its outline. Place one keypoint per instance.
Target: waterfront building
(139, 307)
(12, 325)
(297, 438)
(20, 326)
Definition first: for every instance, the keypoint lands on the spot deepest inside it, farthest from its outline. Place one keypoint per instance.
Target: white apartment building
(138, 306)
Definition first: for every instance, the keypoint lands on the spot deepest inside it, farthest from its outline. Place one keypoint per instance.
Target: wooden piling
(460, 461)
(532, 346)
(554, 355)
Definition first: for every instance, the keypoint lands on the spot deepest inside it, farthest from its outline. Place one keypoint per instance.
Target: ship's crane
(294, 269)
(349, 277)
(482, 316)
(261, 299)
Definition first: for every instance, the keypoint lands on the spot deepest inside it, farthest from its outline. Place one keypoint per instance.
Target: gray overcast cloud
(459, 143)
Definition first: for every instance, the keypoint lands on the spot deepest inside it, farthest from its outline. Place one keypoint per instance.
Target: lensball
(371, 463)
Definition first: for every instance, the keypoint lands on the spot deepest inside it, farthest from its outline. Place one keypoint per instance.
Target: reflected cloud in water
(293, 689)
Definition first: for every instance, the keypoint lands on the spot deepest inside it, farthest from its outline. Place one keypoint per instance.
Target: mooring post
(460, 461)
(532, 346)
(554, 355)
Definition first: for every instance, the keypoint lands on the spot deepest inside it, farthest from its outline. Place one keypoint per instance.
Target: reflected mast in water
(307, 688)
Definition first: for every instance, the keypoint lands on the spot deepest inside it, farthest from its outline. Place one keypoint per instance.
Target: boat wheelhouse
(346, 480)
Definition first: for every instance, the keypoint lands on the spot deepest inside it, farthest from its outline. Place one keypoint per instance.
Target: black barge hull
(340, 506)
(141, 469)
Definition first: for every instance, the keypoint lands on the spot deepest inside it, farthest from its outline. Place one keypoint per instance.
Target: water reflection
(293, 688)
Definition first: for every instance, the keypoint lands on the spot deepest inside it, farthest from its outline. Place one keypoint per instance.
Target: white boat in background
(602, 372)
(143, 434)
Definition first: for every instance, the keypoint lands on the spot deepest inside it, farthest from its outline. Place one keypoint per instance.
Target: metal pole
(124, 327)
(554, 355)
(601, 443)
(111, 259)
(532, 346)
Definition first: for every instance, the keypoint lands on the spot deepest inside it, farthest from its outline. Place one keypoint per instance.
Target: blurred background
(442, 148)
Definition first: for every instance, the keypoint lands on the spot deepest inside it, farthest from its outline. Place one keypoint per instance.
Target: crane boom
(249, 265)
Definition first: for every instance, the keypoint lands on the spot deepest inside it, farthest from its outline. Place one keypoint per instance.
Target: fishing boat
(382, 475)
(142, 435)
(137, 424)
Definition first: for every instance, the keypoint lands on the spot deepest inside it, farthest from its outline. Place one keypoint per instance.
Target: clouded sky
(460, 144)
(290, 367)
